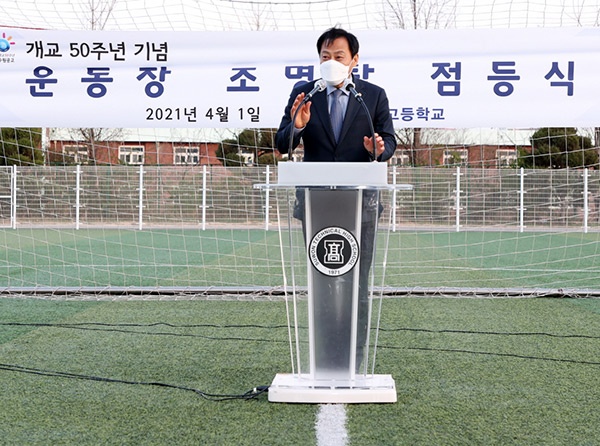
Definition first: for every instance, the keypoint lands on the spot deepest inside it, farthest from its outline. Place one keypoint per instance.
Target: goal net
(493, 211)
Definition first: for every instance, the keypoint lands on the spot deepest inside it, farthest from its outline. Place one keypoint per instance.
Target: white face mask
(334, 72)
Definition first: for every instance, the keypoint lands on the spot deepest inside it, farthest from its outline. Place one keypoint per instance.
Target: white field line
(331, 425)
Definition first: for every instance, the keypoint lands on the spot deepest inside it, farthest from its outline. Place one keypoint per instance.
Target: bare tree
(417, 14)
(257, 19)
(97, 13)
(93, 137)
(578, 14)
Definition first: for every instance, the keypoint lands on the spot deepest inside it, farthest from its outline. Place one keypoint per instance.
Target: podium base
(289, 388)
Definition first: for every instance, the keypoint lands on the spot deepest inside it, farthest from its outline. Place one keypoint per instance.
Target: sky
(224, 15)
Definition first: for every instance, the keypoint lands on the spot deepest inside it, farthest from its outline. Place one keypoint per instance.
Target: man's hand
(379, 144)
(303, 115)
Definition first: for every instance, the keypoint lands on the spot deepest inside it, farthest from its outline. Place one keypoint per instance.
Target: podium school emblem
(333, 251)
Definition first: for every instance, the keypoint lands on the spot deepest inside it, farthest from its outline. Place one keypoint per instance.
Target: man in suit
(338, 55)
(333, 126)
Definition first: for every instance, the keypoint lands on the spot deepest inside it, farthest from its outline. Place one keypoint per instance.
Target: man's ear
(354, 62)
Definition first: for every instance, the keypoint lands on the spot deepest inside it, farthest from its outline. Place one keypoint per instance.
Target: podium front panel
(337, 266)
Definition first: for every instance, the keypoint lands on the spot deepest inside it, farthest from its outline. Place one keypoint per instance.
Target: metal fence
(451, 198)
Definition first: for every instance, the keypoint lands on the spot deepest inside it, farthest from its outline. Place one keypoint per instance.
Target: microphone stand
(358, 96)
(320, 85)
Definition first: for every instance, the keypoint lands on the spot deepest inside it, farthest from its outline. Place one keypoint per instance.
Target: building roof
(200, 135)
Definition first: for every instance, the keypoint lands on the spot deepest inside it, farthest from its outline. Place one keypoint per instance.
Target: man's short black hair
(333, 33)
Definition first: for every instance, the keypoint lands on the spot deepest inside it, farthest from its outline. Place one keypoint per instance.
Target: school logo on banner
(333, 251)
(5, 43)
(7, 53)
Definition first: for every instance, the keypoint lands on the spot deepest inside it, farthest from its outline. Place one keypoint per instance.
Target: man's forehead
(339, 45)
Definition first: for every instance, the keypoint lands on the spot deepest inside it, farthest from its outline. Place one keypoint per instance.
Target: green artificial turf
(467, 371)
(252, 258)
(487, 372)
(137, 342)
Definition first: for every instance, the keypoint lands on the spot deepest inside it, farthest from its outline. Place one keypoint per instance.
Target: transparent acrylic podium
(328, 232)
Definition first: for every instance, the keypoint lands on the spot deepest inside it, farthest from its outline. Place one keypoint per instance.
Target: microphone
(320, 85)
(350, 87)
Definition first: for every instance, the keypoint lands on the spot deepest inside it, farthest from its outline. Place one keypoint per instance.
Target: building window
(75, 154)
(401, 158)
(186, 156)
(506, 158)
(456, 157)
(247, 158)
(131, 155)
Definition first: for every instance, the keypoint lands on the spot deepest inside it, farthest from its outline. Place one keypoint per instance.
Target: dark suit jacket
(319, 143)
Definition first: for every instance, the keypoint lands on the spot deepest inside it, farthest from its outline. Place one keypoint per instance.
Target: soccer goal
(495, 210)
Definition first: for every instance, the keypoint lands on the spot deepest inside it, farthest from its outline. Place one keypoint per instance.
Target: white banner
(516, 78)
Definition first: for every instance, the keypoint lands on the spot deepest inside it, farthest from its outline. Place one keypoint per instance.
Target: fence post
(267, 198)
(457, 199)
(141, 199)
(586, 209)
(394, 196)
(204, 174)
(522, 201)
(13, 207)
(77, 194)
